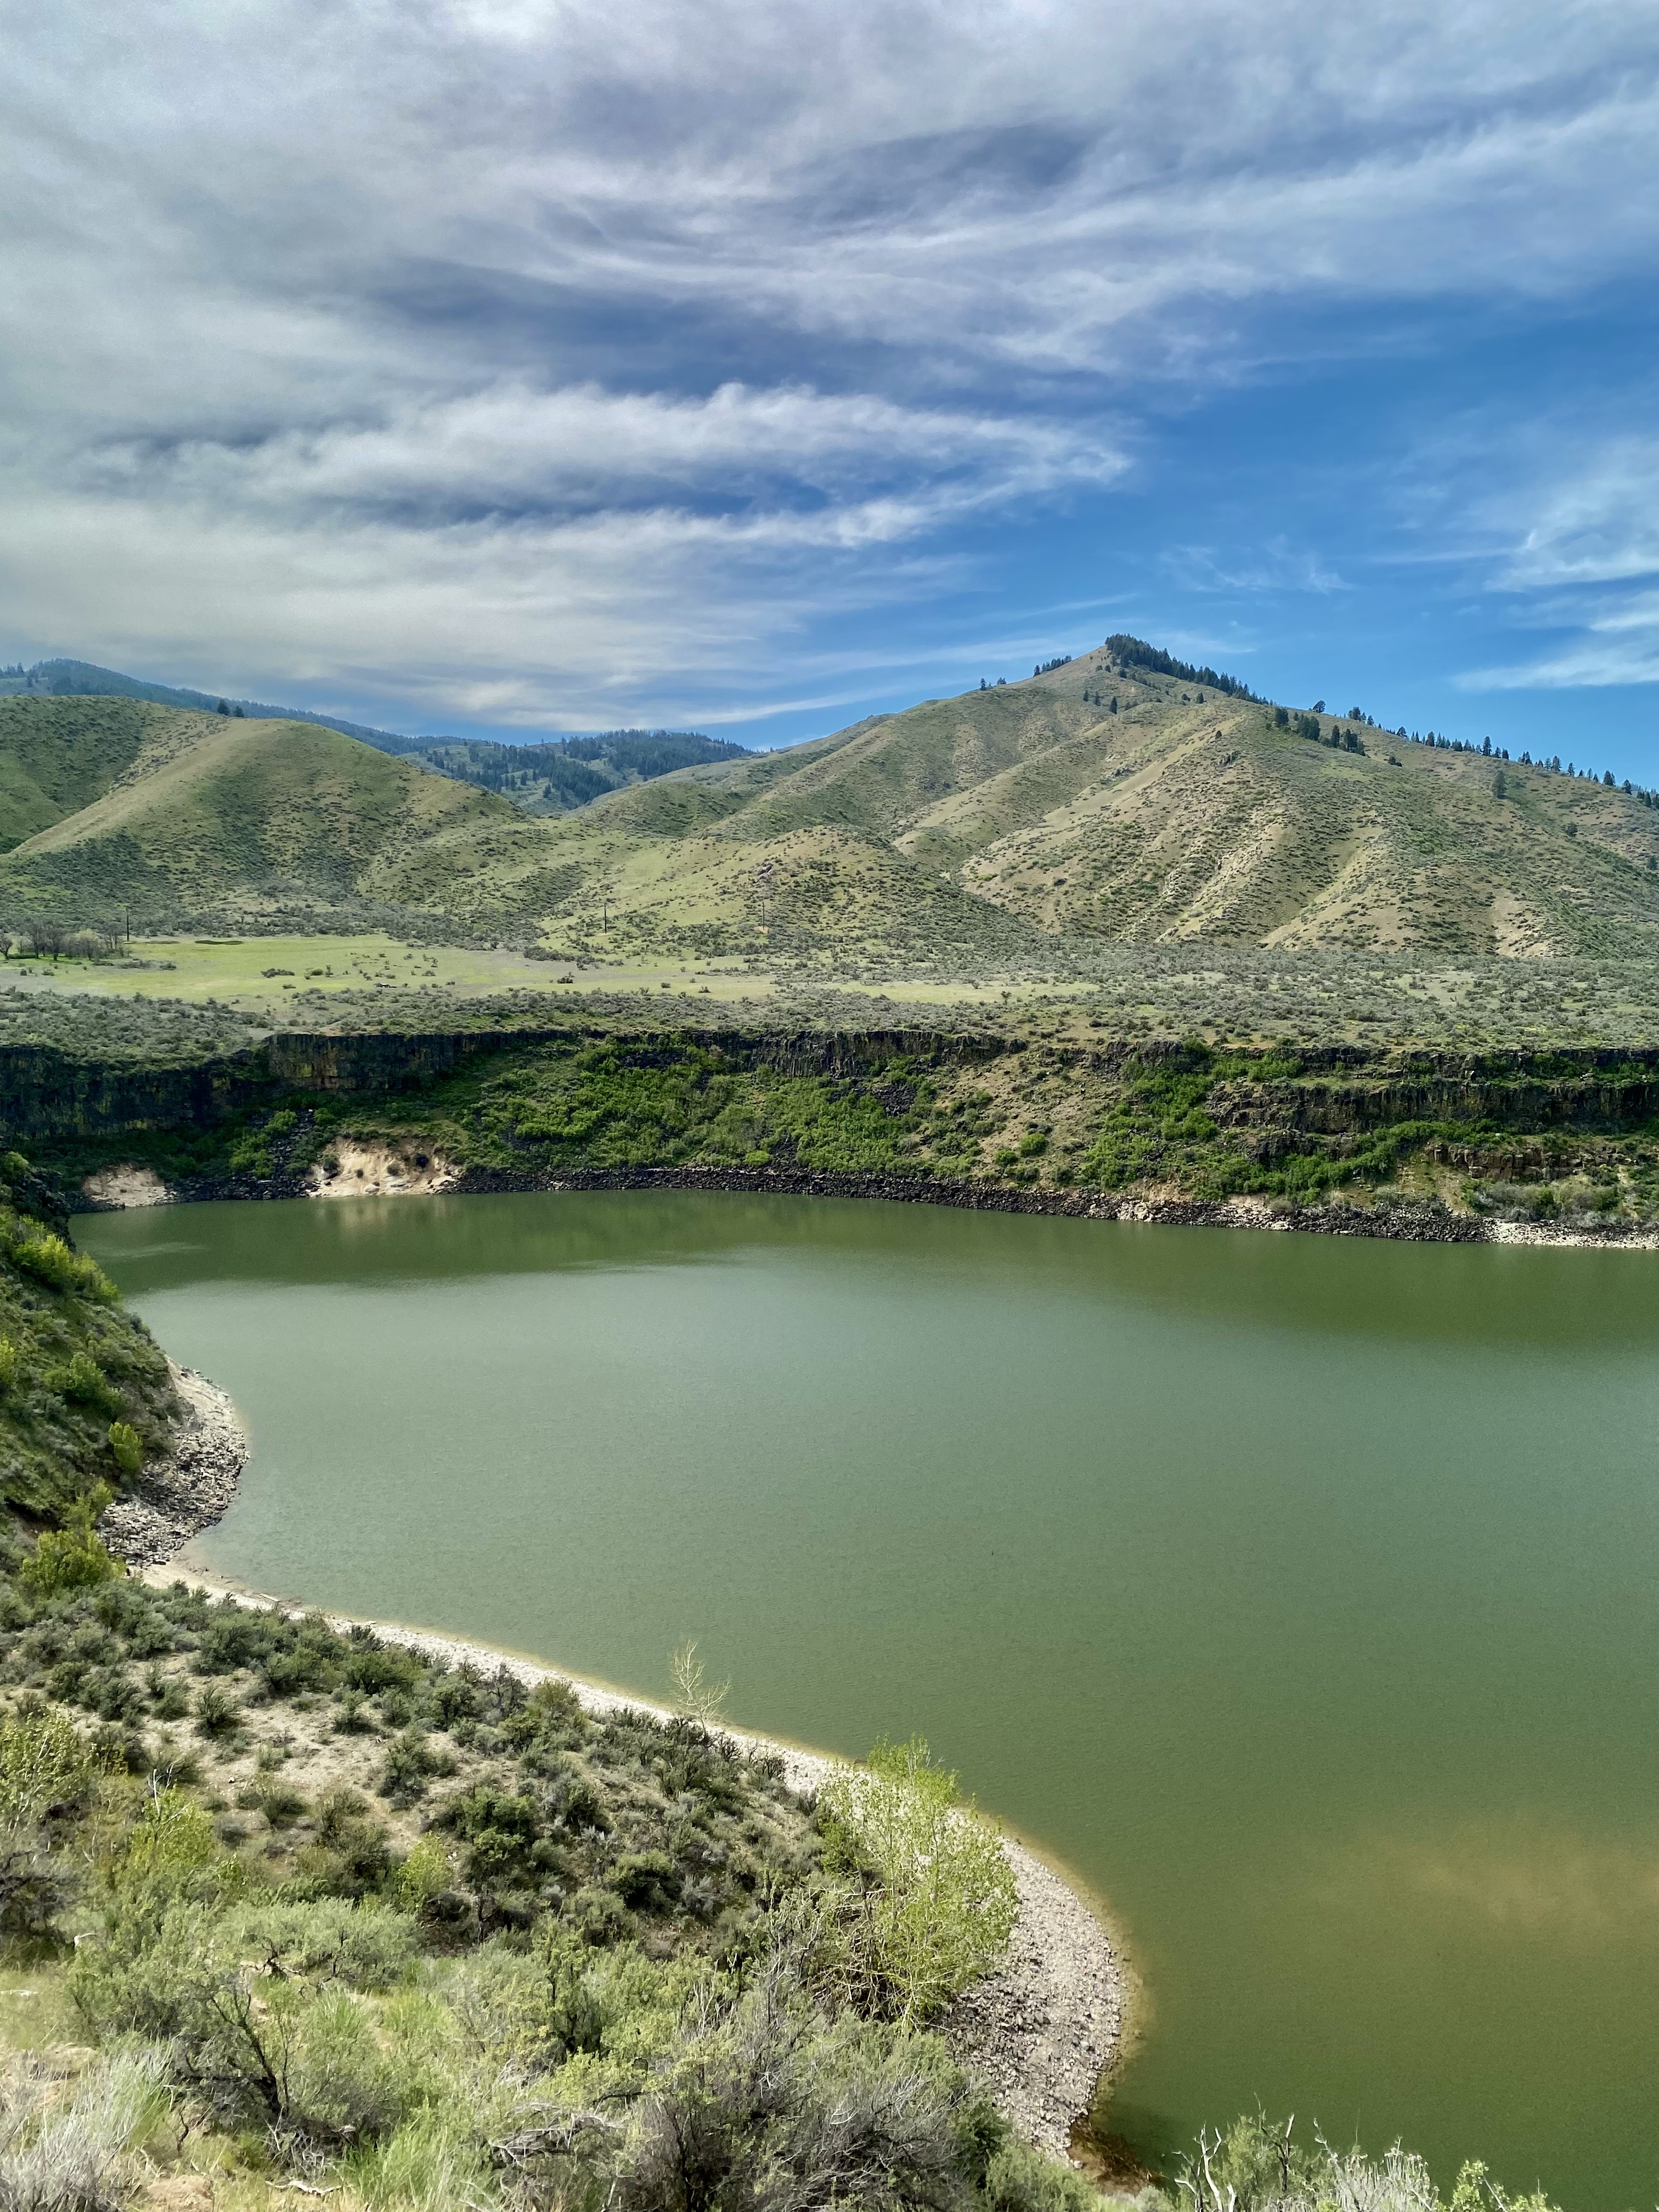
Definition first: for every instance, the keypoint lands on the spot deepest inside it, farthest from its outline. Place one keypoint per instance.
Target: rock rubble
(174, 1497)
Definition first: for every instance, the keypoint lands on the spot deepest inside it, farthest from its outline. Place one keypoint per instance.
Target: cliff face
(48, 1093)
(1050, 1124)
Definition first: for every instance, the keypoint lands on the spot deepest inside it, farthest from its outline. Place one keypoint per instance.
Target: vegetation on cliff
(85, 1392)
(1566, 1136)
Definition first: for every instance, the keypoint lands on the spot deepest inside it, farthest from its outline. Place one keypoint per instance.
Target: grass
(369, 979)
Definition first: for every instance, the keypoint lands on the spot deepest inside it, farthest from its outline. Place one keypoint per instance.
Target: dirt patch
(125, 1186)
(353, 1170)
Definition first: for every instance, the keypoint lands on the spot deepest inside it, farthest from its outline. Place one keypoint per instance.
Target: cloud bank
(533, 362)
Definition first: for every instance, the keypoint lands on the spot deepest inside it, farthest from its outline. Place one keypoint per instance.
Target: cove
(1297, 1591)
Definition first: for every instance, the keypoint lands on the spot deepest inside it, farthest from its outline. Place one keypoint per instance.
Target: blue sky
(512, 367)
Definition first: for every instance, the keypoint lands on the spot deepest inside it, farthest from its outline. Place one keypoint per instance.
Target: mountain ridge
(1112, 797)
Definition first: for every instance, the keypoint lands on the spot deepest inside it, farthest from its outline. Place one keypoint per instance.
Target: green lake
(1296, 1591)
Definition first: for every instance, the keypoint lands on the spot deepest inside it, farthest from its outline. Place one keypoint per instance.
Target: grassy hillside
(58, 756)
(75, 679)
(1115, 799)
(74, 1364)
(1184, 813)
(566, 773)
(197, 811)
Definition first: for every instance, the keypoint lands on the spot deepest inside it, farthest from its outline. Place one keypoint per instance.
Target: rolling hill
(1110, 800)
(175, 813)
(84, 679)
(1115, 798)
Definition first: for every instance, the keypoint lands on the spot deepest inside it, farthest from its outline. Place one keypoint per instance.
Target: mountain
(558, 776)
(82, 680)
(1119, 797)
(178, 813)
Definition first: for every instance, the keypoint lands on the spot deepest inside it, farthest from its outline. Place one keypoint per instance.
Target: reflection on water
(1518, 1879)
(1297, 1590)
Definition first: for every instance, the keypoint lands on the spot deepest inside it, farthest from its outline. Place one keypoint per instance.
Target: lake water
(1297, 1592)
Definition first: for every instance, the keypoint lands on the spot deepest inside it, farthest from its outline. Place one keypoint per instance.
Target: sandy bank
(1040, 2033)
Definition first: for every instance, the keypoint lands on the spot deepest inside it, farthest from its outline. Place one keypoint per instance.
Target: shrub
(351, 1857)
(217, 1713)
(44, 1767)
(765, 2106)
(127, 1446)
(83, 1380)
(364, 1947)
(53, 1260)
(67, 1558)
(424, 1874)
(70, 2154)
(946, 1902)
(409, 1762)
(10, 1362)
(45, 1773)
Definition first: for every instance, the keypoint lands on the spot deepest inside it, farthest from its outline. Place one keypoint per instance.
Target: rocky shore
(1040, 2033)
(175, 1498)
(1420, 1222)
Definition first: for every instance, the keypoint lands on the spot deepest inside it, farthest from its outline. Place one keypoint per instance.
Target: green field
(292, 977)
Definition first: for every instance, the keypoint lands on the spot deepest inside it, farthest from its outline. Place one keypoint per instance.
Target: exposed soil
(121, 1187)
(352, 1169)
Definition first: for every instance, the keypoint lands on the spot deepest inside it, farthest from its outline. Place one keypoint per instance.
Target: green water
(1297, 1591)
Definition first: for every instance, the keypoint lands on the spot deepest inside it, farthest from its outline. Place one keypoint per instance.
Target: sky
(513, 366)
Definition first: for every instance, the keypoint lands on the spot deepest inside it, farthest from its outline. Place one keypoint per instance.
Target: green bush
(82, 1380)
(945, 1903)
(127, 1447)
(53, 1260)
(67, 1558)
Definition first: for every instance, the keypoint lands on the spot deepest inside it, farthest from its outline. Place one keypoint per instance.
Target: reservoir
(1295, 1592)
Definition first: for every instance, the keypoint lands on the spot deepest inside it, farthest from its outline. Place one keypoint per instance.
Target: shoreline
(175, 1498)
(1419, 1222)
(1043, 2032)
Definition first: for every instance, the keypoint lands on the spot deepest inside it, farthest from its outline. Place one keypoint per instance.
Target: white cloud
(1276, 565)
(531, 352)
(1586, 527)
